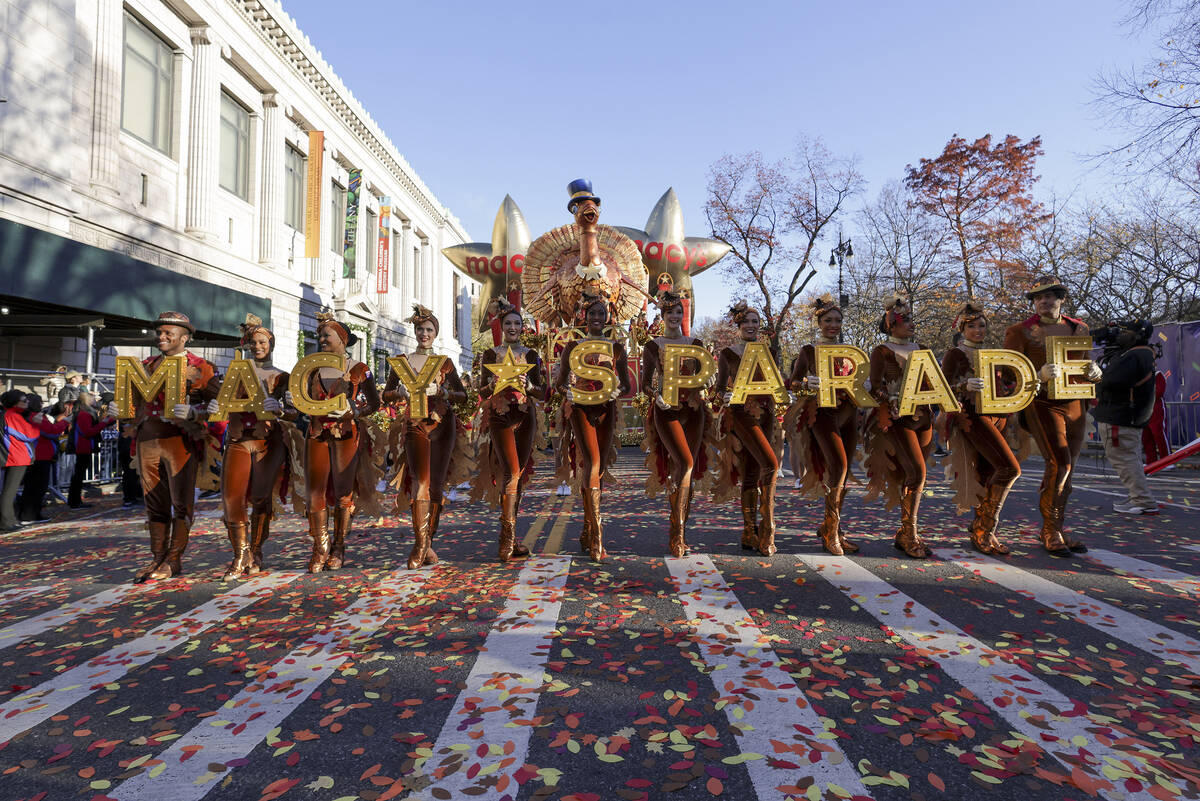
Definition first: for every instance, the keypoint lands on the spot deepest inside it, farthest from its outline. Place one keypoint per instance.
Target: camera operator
(1124, 403)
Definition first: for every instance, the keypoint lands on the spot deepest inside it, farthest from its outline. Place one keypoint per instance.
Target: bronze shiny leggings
(514, 445)
(1058, 429)
(994, 458)
(427, 454)
(249, 472)
(168, 467)
(759, 465)
(593, 427)
(911, 448)
(681, 432)
(329, 470)
(835, 432)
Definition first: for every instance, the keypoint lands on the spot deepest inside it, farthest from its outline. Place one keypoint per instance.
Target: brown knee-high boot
(1052, 538)
(675, 545)
(907, 538)
(509, 547)
(172, 565)
(159, 537)
(260, 531)
(435, 517)
(318, 529)
(591, 510)
(847, 545)
(987, 519)
(828, 530)
(341, 528)
(766, 519)
(749, 512)
(420, 522)
(242, 558)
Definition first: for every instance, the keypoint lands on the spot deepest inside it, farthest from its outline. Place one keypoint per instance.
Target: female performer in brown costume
(589, 446)
(752, 442)
(982, 462)
(338, 462)
(897, 447)
(674, 434)
(508, 428)
(432, 446)
(824, 437)
(1057, 426)
(255, 453)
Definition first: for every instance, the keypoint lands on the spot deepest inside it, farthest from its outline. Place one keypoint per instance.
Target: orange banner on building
(312, 199)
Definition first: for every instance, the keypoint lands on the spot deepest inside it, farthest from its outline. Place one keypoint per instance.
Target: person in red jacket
(1155, 444)
(45, 451)
(89, 422)
(16, 445)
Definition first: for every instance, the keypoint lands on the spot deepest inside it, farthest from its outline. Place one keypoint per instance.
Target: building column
(106, 97)
(270, 206)
(203, 134)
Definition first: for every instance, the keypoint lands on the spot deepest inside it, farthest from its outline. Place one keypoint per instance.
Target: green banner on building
(350, 240)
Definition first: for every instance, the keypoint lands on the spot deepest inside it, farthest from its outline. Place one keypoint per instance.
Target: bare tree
(773, 215)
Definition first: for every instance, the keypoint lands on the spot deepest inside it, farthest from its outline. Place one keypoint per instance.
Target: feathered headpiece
(823, 304)
(423, 314)
(668, 298)
(894, 308)
(254, 323)
(966, 314)
(737, 312)
(326, 319)
(497, 309)
(590, 297)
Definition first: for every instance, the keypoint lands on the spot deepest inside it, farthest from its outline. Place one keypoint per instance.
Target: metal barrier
(100, 382)
(1183, 423)
(106, 466)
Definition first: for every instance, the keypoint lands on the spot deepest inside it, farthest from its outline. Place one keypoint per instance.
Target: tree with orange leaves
(983, 193)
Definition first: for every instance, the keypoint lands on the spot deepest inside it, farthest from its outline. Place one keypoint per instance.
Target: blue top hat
(580, 189)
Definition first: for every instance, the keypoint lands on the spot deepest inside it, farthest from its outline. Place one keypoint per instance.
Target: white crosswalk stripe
(721, 623)
(34, 706)
(1005, 687)
(1112, 621)
(14, 595)
(1138, 568)
(503, 685)
(31, 627)
(246, 719)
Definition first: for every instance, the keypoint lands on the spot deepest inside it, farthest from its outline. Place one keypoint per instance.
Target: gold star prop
(508, 371)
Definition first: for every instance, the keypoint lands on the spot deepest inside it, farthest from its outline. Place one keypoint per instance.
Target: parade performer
(433, 452)
(1057, 426)
(340, 451)
(897, 447)
(982, 463)
(751, 442)
(588, 275)
(508, 427)
(676, 457)
(254, 457)
(170, 448)
(824, 438)
(589, 445)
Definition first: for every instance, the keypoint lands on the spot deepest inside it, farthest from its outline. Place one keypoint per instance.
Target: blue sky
(485, 99)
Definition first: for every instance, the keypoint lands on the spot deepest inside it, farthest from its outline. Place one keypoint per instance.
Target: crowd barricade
(1183, 422)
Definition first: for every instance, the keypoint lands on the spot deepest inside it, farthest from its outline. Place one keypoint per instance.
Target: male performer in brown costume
(1057, 426)
(170, 446)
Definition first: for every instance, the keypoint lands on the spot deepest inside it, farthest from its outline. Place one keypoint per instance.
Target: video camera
(1106, 336)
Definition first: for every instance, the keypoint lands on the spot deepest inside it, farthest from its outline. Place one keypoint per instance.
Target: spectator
(37, 477)
(16, 446)
(86, 429)
(70, 393)
(1154, 435)
(131, 482)
(1124, 401)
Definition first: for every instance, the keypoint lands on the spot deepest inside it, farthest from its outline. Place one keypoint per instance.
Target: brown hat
(1045, 283)
(327, 320)
(175, 318)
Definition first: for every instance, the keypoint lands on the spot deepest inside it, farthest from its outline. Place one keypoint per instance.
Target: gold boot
(509, 547)
(847, 545)
(596, 545)
(907, 538)
(589, 517)
(1051, 537)
(260, 531)
(675, 532)
(243, 560)
(159, 537)
(341, 529)
(420, 522)
(749, 526)
(318, 529)
(828, 530)
(172, 565)
(766, 519)
(435, 517)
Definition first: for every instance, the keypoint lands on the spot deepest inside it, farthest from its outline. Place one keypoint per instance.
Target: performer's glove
(213, 407)
(792, 398)
(1050, 371)
(728, 396)
(812, 383)
(661, 402)
(272, 405)
(1094, 373)
(616, 393)
(111, 409)
(183, 411)
(974, 385)
(570, 395)
(289, 399)
(345, 414)
(433, 388)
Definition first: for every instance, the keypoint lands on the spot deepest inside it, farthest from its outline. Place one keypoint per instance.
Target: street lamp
(838, 257)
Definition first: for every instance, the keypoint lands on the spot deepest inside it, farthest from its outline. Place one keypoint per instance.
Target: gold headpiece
(737, 313)
(667, 298)
(824, 304)
(590, 297)
(343, 331)
(966, 314)
(895, 307)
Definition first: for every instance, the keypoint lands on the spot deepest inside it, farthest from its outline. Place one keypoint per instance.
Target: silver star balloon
(497, 264)
(667, 253)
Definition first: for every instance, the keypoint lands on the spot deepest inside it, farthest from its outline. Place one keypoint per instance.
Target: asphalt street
(722, 674)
